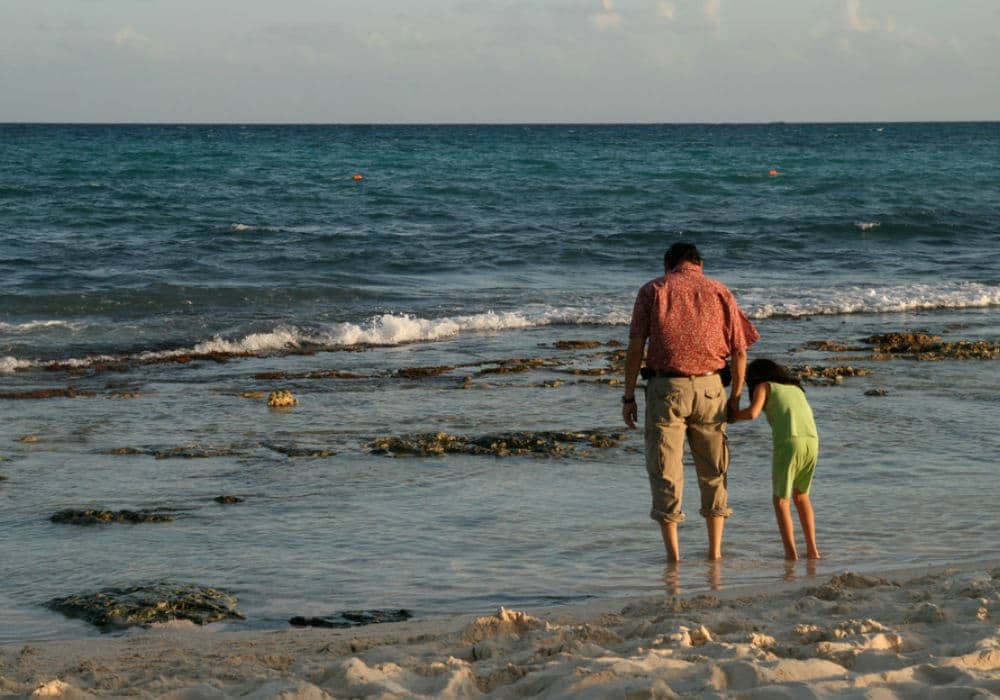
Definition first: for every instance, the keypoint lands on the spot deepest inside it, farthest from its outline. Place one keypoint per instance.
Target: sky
(498, 61)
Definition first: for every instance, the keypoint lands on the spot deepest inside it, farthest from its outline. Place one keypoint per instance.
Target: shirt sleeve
(641, 313)
(741, 333)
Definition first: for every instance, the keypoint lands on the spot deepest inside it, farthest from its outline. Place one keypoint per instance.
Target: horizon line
(499, 123)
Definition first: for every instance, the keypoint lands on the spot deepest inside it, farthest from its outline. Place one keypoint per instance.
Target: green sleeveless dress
(795, 439)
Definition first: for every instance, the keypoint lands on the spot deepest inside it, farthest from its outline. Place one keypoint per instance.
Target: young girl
(796, 444)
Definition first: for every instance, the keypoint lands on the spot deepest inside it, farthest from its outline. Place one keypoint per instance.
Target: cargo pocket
(713, 405)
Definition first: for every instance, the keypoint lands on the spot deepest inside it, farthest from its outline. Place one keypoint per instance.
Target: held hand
(732, 406)
(630, 412)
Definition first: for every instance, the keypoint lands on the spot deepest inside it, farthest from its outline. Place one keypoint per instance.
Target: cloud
(667, 10)
(713, 11)
(129, 37)
(608, 19)
(377, 40)
(856, 20)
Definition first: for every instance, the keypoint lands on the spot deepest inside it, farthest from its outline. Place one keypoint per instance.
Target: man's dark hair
(681, 252)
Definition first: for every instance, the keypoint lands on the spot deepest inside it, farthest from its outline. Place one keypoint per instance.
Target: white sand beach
(932, 635)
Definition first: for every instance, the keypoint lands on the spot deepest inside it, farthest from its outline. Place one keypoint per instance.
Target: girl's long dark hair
(763, 370)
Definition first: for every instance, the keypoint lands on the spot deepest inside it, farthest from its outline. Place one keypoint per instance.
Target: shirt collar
(687, 266)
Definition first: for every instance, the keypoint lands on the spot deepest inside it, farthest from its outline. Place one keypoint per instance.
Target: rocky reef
(72, 516)
(542, 443)
(294, 451)
(147, 604)
(179, 452)
(421, 372)
(319, 374)
(916, 345)
(824, 375)
(923, 346)
(63, 393)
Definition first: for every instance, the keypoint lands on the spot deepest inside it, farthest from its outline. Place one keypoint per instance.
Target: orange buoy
(357, 176)
(773, 172)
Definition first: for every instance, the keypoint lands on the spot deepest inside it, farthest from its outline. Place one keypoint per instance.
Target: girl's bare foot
(814, 554)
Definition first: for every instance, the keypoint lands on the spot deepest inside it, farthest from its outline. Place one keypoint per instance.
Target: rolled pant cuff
(716, 513)
(663, 518)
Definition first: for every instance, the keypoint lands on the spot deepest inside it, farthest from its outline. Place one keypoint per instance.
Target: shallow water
(138, 245)
(901, 482)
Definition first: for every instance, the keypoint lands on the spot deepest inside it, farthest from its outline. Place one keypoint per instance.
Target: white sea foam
(9, 365)
(253, 344)
(765, 303)
(866, 225)
(398, 329)
(29, 326)
(240, 228)
(389, 329)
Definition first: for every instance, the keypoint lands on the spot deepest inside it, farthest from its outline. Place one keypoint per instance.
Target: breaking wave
(399, 329)
(761, 303)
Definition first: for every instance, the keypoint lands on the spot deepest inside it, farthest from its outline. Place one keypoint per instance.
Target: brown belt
(675, 375)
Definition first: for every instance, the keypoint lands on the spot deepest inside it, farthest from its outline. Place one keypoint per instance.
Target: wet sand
(899, 635)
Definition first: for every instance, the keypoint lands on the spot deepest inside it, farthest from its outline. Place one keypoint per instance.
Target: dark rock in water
(547, 443)
(818, 374)
(353, 618)
(180, 452)
(324, 374)
(421, 372)
(577, 344)
(516, 365)
(292, 451)
(67, 393)
(125, 451)
(228, 499)
(830, 346)
(143, 605)
(903, 342)
(3, 478)
(917, 345)
(195, 452)
(100, 517)
(876, 392)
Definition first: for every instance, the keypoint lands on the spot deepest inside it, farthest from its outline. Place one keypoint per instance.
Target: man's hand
(732, 406)
(630, 413)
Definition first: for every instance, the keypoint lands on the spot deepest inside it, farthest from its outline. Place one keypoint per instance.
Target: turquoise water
(123, 247)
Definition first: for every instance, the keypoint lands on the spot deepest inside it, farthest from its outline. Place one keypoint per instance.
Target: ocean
(159, 281)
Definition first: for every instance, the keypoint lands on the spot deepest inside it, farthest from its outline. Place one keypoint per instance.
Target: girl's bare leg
(808, 521)
(783, 513)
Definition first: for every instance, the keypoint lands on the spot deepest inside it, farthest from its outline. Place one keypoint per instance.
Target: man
(692, 323)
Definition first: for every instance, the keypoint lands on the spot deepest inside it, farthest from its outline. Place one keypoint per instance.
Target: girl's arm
(757, 401)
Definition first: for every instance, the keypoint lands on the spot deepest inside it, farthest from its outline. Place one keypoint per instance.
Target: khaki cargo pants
(694, 407)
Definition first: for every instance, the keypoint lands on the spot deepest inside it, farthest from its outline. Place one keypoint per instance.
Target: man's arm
(738, 366)
(633, 361)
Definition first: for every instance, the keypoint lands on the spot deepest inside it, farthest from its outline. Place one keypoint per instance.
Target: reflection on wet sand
(791, 572)
(712, 573)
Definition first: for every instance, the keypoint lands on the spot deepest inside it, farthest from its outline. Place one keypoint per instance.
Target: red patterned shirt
(692, 322)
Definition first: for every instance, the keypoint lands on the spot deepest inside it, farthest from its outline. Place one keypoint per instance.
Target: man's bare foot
(791, 556)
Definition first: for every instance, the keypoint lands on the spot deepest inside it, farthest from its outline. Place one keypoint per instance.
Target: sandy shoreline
(931, 634)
